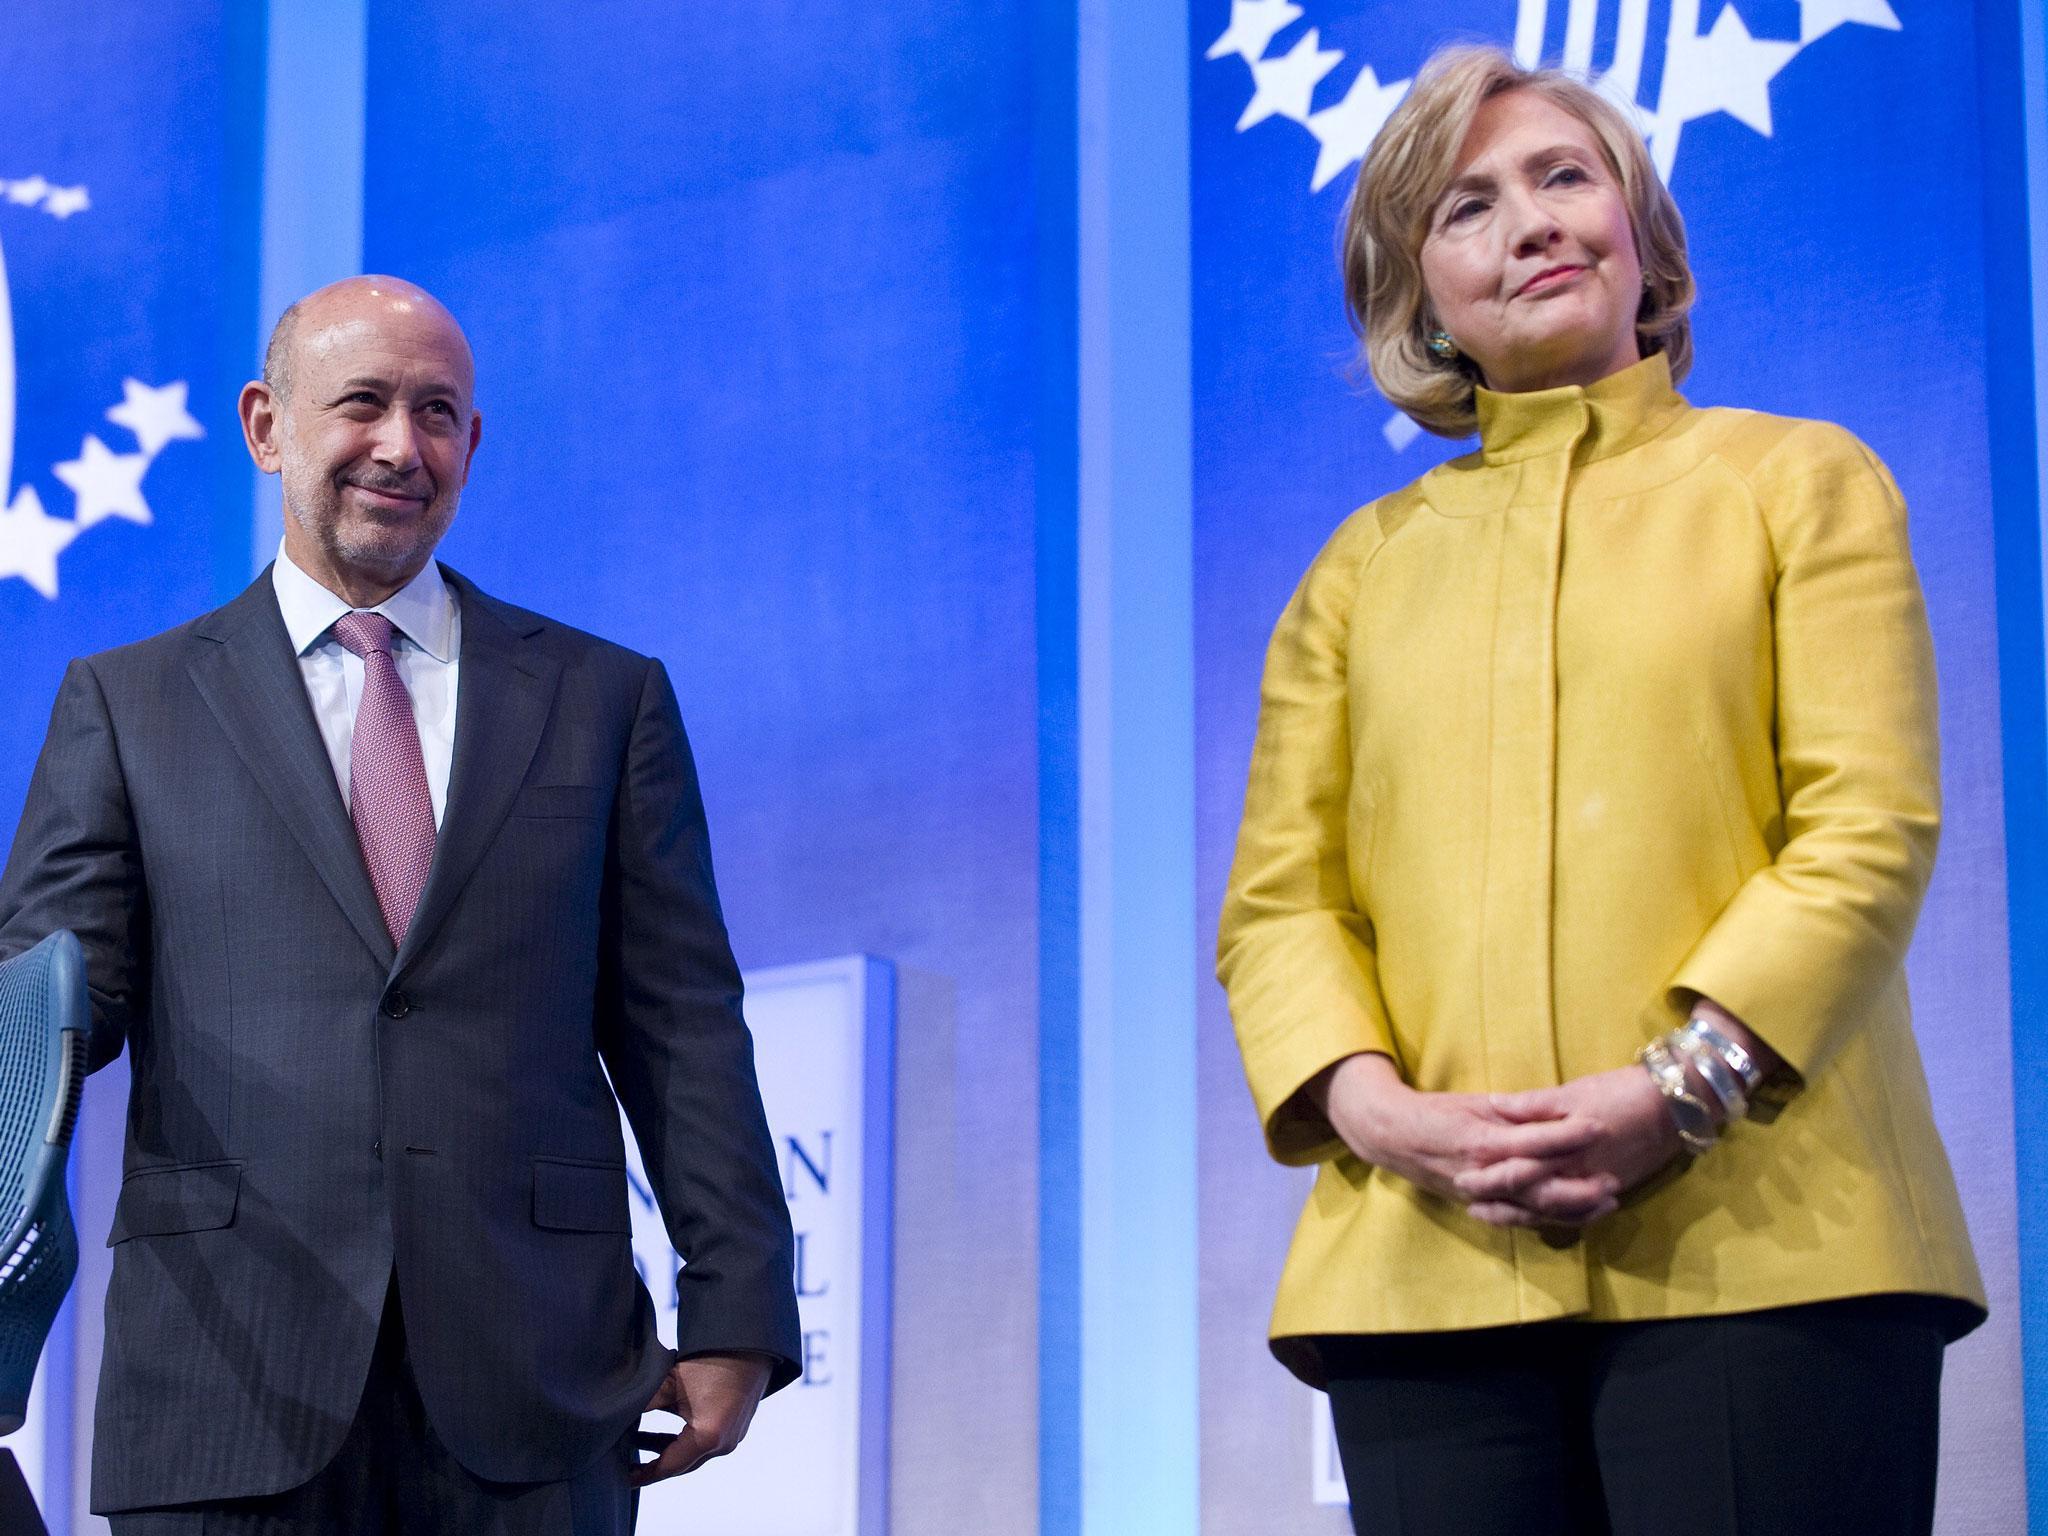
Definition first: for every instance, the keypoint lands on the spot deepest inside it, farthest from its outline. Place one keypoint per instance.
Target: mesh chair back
(43, 1017)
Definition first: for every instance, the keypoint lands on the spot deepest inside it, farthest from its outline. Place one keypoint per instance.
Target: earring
(1441, 344)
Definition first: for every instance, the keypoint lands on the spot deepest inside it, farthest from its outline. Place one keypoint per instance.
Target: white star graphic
(1727, 70)
(106, 484)
(1286, 84)
(1817, 18)
(1346, 131)
(28, 191)
(155, 416)
(1252, 26)
(62, 202)
(31, 541)
(1400, 429)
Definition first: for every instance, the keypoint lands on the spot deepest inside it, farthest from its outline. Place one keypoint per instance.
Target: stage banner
(128, 148)
(755, 299)
(1827, 156)
(816, 1460)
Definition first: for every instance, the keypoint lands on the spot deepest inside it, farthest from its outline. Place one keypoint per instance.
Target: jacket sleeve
(76, 862)
(682, 1060)
(1294, 952)
(1806, 945)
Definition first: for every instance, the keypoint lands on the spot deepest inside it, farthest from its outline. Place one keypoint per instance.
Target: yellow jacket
(1636, 702)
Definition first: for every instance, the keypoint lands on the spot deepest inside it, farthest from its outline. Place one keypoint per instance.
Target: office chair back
(43, 1024)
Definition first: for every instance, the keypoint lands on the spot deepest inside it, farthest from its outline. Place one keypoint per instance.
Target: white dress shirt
(427, 652)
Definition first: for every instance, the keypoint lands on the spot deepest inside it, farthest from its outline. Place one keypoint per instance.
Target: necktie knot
(364, 633)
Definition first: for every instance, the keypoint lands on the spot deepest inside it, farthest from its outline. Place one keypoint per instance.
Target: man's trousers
(393, 1477)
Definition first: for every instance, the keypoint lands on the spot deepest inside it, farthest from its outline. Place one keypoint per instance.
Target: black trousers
(1806, 1421)
(394, 1477)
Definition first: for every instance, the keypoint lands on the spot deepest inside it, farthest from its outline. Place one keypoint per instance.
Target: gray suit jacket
(311, 1110)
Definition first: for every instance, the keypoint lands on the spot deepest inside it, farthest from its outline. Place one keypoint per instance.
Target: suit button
(396, 1005)
(377, 1147)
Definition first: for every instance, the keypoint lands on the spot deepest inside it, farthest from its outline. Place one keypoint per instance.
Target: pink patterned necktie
(387, 777)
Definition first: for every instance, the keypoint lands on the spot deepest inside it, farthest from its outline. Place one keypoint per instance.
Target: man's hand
(715, 1396)
(1442, 1141)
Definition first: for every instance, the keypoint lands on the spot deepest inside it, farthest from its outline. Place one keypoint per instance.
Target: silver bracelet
(1719, 1076)
(1695, 1122)
(1739, 1061)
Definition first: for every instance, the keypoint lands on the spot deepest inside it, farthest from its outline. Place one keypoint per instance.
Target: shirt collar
(423, 610)
(1595, 419)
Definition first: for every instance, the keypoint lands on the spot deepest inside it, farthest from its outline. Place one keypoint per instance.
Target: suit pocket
(574, 800)
(580, 1197)
(194, 1197)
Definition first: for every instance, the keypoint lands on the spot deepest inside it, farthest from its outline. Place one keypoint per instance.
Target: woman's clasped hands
(1549, 1157)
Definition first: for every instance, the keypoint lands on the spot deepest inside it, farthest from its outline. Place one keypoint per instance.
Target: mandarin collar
(1597, 419)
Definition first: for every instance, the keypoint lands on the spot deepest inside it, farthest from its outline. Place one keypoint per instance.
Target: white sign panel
(815, 1462)
(1327, 1485)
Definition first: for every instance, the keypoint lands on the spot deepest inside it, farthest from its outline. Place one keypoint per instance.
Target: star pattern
(62, 202)
(107, 484)
(1726, 70)
(1346, 131)
(1817, 18)
(104, 484)
(1253, 24)
(1284, 86)
(58, 202)
(31, 540)
(155, 416)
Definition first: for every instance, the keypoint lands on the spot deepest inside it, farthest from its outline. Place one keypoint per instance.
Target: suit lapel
(504, 695)
(249, 678)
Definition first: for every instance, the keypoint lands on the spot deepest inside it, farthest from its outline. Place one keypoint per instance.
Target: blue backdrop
(752, 297)
(128, 230)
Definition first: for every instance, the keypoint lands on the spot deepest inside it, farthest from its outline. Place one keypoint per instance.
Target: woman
(1594, 795)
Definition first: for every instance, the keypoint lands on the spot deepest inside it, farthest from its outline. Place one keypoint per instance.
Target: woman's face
(1530, 261)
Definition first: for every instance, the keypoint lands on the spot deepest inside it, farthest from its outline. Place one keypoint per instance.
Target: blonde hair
(1387, 220)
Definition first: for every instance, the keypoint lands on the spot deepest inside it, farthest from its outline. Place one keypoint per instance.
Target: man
(378, 878)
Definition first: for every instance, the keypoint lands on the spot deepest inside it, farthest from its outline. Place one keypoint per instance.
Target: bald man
(387, 887)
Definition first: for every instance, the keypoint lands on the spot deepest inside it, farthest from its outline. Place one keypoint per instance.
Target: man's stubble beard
(314, 502)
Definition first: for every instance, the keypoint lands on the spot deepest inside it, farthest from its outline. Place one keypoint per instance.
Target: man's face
(375, 440)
